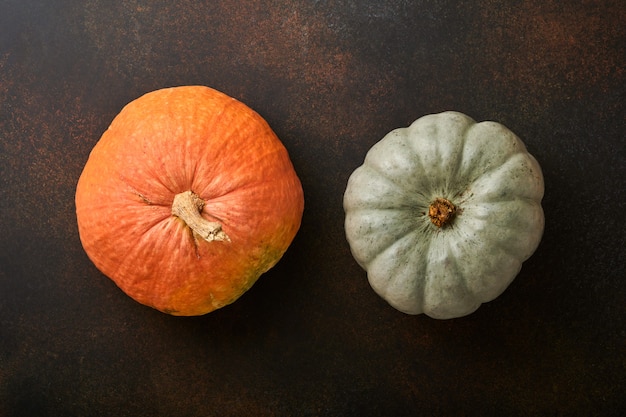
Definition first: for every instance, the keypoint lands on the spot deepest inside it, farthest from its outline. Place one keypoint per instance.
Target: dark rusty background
(311, 338)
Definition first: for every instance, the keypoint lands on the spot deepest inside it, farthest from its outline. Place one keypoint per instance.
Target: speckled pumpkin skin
(167, 142)
(496, 186)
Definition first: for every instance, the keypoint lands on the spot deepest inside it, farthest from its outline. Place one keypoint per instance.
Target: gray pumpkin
(442, 214)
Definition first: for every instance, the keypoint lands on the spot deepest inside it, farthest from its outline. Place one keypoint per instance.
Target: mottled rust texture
(311, 338)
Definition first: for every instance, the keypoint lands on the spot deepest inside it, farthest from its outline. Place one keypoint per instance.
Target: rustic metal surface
(311, 338)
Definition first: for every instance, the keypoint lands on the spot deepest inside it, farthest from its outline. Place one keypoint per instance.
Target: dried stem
(187, 206)
(441, 212)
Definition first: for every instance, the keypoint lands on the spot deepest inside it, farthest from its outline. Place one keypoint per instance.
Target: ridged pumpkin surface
(443, 213)
(169, 142)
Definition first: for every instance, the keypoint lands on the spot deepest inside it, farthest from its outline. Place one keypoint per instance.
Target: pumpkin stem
(441, 212)
(187, 206)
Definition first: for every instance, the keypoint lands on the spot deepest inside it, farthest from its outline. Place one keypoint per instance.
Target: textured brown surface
(311, 338)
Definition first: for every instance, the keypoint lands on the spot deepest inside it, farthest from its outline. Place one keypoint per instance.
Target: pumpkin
(187, 198)
(442, 214)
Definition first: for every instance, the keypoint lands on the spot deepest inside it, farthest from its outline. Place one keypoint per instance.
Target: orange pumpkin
(187, 198)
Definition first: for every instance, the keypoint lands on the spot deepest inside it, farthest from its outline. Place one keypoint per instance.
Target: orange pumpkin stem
(187, 206)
